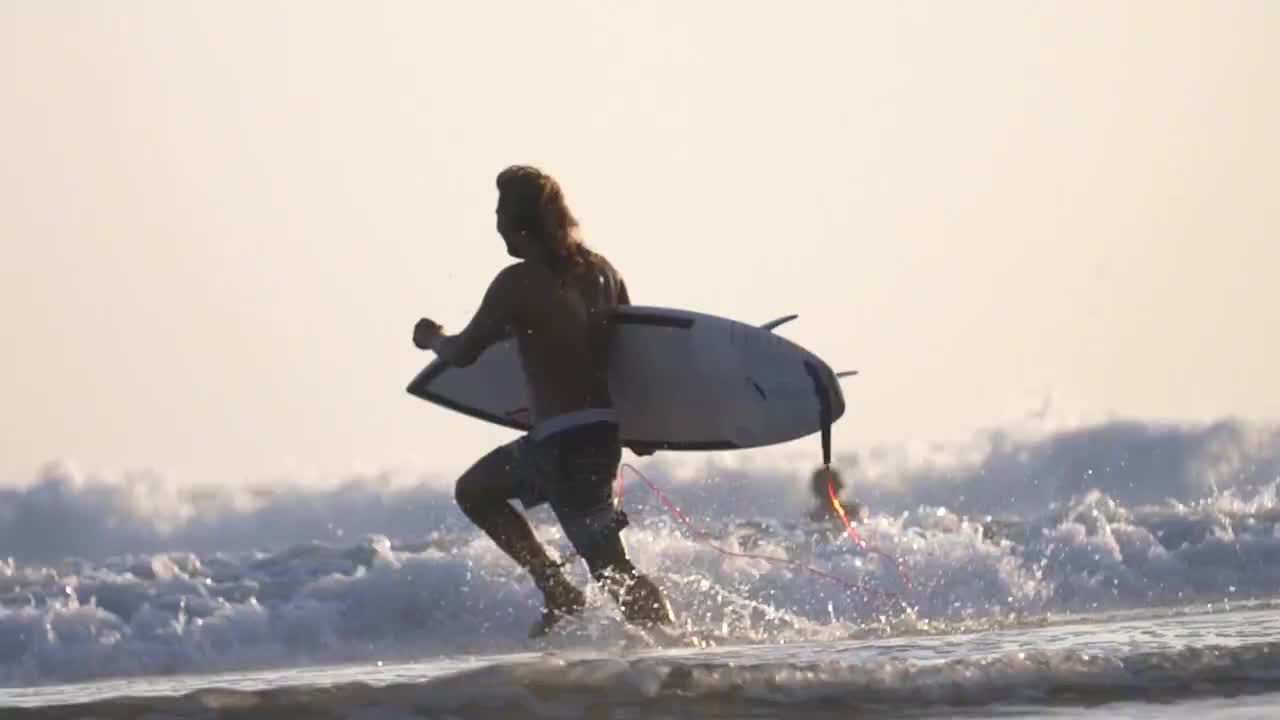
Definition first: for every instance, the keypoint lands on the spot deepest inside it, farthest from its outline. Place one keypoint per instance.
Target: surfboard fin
(780, 321)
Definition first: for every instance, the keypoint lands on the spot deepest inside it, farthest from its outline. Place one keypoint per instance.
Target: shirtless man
(557, 301)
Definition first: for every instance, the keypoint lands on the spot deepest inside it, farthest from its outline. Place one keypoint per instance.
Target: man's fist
(426, 333)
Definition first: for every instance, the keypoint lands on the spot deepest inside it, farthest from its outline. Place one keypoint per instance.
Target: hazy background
(219, 221)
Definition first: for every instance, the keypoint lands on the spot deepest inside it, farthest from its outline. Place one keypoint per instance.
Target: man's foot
(643, 604)
(560, 599)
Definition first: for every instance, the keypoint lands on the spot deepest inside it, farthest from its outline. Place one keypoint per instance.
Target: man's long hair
(536, 205)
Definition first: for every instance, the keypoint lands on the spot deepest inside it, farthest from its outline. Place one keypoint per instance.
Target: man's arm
(624, 298)
(491, 323)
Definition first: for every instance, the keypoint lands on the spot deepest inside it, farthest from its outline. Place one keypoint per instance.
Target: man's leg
(640, 599)
(584, 504)
(483, 493)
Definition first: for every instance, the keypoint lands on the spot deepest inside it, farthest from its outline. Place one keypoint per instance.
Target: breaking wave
(140, 576)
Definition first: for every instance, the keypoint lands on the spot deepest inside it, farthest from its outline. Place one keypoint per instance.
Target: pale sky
(220, 221)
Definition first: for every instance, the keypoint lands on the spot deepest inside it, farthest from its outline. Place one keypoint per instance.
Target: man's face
(512, 237)
(515, 240)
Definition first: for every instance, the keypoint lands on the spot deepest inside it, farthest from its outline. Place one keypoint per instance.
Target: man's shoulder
(602, 264)
(520, 278)
(517, 273)
(602, 260)
(602, 268)
(513, 270)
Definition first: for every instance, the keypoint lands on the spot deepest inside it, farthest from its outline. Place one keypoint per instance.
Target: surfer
(823, 509)
(557, 301)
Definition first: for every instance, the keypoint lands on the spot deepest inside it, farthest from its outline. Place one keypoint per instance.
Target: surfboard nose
(835, 395)
(826, 387)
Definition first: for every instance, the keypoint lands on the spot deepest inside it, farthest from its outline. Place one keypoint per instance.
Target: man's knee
(469, 493)
(486, 485)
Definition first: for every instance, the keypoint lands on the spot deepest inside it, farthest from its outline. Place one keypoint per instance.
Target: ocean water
(1120, 569)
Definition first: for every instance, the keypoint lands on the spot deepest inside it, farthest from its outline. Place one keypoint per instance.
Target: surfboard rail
(682, 380)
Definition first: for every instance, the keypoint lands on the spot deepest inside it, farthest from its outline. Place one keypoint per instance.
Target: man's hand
(426, 333)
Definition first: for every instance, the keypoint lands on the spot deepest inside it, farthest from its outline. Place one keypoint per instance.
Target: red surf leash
(857, 539)
(704, 538)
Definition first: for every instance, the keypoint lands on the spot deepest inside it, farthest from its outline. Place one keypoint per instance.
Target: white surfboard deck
(680, 380)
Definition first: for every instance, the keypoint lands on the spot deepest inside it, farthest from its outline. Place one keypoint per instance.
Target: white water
(135, 576)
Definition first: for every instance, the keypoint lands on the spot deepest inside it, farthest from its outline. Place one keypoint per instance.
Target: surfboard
(680, 380)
